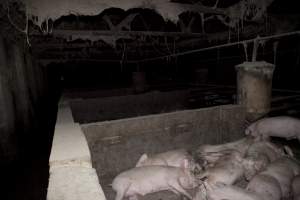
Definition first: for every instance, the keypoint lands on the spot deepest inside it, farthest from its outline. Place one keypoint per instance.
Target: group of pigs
(212, 171)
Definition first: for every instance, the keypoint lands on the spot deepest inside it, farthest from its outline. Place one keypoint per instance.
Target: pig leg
(133, 197)
(178, 193)
(239, 145)
(121, 192)
(120, 195)
(174, 191)
(177, 187)
(201, 193)
(212, 157)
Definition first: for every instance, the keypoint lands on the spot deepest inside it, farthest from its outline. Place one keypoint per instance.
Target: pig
(173, 158)
(211, 153)
(227, 170)
(267, 187)
(276, 177)
(149, 179)
(281, 126)
(259, 155)
(274, 183)
(229, 192)
(296, 187)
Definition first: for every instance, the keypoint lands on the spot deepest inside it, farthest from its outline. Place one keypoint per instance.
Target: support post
(254, 88)
(201, 76)
(21, 85)
(8, 143)
(139, 81)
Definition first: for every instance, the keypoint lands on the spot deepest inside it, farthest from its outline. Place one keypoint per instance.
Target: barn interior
(133, 66)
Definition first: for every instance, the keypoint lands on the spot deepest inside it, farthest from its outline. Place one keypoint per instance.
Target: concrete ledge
(74, 183)
(72, 176)
(69, 147)
(64, 115)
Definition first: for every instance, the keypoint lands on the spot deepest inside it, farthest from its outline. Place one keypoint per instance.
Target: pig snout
(149, 179)
(251, 130)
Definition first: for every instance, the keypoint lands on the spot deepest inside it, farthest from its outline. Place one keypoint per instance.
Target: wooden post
(8, 144)
(254, 83)
(201, 76)
(139, 81)
(32, 78)
(21, 87)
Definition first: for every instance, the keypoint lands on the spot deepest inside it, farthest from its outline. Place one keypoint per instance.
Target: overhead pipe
(255, 40)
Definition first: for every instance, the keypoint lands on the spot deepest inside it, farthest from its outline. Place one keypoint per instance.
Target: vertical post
(201, 76)
(39, 77)
(21, 85)
(139, 81)
(31, 77)
(8, 144)
(254, 88)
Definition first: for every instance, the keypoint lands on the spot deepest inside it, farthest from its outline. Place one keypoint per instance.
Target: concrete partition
(119, 107)
(117, 145)
(71, 173)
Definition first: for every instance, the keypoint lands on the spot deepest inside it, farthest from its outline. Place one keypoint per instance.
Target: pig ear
(185, 164)
(142, 159)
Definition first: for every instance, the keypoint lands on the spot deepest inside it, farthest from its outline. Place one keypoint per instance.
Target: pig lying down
(279, 173)
(228, 169)
(175, 158)
(269, 171)
(149, 179)
(221, 191)
(212, 153)
(259, 156)
(282, 126)
(274, 183)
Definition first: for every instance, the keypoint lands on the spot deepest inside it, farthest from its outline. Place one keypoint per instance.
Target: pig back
(265, 186)
(148, 179)
(281, 126)
(283, 170)
(175, 158)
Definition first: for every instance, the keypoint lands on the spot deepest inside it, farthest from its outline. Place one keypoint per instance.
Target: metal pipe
(224, 45)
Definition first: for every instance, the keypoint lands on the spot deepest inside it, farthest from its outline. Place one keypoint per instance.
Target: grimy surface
(117, 145)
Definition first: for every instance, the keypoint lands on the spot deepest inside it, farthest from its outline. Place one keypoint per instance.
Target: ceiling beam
(93, 34)
(76, 60)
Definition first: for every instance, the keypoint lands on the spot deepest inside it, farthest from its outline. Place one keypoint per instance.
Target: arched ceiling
(123, 25)
(54, 9)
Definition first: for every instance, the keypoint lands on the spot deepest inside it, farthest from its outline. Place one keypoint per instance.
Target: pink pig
(149, 179)
(282, 126)
(175, 158)
(276, 178)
